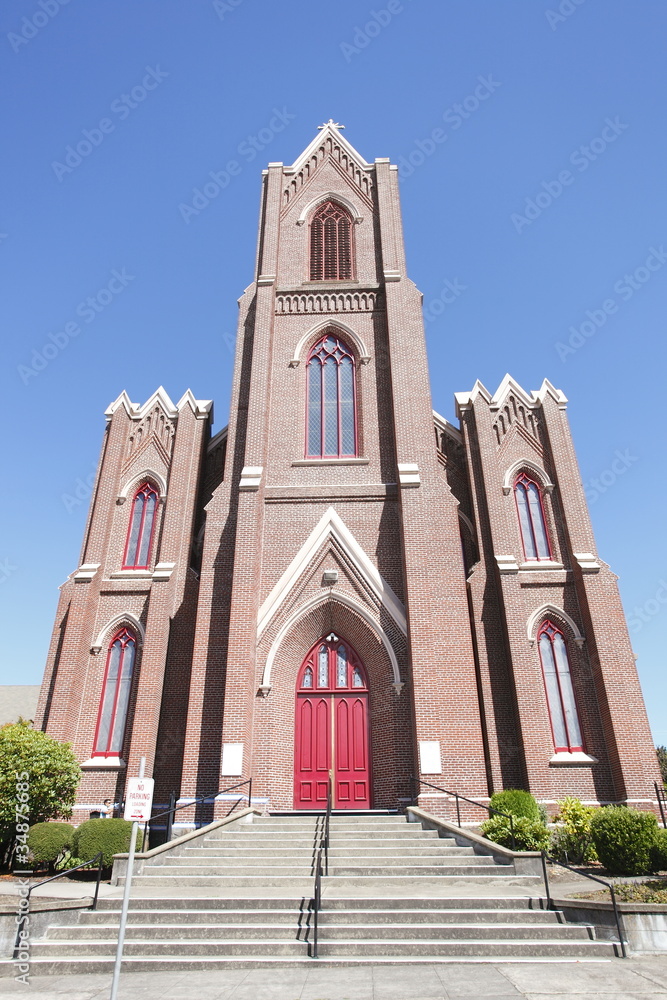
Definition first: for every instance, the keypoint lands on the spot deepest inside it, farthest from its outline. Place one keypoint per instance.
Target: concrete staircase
(241, 897)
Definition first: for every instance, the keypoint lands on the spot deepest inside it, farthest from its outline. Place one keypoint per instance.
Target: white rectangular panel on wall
(429, 757)
(232, 760)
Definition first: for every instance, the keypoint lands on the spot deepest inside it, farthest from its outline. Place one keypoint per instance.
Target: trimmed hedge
(529, 834)
(625, 839)
(516, 802)
(47, 841)
(110, 836)
(659, 852)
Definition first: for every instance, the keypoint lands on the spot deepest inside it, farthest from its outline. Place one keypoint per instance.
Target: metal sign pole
(126, 900)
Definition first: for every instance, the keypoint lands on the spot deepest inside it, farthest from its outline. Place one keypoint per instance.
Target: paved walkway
(633, 979)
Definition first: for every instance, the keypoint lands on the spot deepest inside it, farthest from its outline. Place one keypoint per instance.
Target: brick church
(341, 581)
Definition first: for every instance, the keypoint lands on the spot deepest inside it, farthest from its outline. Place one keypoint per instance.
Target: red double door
(331, 729)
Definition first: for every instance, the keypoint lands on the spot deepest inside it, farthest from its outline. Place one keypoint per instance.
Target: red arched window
(560, 693)
(142, 526)
(533, 527)
(115, 695)
(332, 665)
(330, 244)
(331, 422)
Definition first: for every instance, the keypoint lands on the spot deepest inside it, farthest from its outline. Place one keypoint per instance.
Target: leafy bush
(529, 834)
(573, 842)
(52, 775)
(517, 803)
(47, 841)
(653, 891)
(624, 839)
(659, 852)
(67, 861)
(662, 761)
(110, 836)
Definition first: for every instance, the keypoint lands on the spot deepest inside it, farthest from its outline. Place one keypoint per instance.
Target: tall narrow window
(116, 695)
(531, 518)
(142, 525)
(330, 244)
(560, 693)
(331, 418)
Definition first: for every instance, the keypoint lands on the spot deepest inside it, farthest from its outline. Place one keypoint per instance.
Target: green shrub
(110, 836)
(624, 839)
(529, 834)
(517, 803)
(47, 841)
(573, 842)
(659, 853)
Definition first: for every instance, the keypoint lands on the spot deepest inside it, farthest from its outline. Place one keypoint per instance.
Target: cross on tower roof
(332, 123)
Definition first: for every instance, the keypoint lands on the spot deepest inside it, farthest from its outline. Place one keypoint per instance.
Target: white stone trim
(545, 611)
(163, 570)
(101, 763)
(577, 758)
(251, 477)
(330, 196)
(313, 602)
(331, 526)
(200, 407)
(507, 564)
(447, 427)
(362, 350)
(537, 470)
(408, 474)
(322, 134)
(86, 572)
(131, 484)
(111, 626)
(537, 565)
(465, 400)
(587, 562)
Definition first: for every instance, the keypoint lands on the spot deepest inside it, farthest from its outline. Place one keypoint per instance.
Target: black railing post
(512, 831)
(546, 878)
(618, 920)
(660, 796)
(250, 793)
(458, 810)
(100, 858)
(170, 816)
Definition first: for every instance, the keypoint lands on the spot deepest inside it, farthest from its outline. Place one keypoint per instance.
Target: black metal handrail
(661, 796)
(546, 857)
(173, 808)
(490, 809)
(68, 871)
(322, 851)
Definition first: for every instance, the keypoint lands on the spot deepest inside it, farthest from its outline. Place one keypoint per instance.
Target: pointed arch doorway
(331, 728)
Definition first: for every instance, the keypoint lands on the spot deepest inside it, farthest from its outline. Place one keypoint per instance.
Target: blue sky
(542, 203)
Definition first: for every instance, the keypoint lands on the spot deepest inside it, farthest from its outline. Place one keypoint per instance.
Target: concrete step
(343, 852)
(491, 949)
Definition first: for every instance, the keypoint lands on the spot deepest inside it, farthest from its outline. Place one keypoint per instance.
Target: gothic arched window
(560, 693)
(331, 423)
(330, 244)
(142, 526)
(533, 527)
(115, 695)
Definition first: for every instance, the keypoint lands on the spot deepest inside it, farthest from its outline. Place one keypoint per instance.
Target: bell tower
(334, 513)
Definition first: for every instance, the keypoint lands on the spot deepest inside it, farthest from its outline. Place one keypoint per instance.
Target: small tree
(46, 771)
(662, 761)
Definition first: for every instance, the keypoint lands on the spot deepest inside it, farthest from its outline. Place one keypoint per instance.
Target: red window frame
(328, 258)
(523, 480)
(550, 630)
(126, 637)
(148, 490)
(341, 346)
(311, 662)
